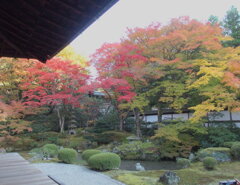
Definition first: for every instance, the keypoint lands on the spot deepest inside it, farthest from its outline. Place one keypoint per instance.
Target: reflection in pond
(149, 165)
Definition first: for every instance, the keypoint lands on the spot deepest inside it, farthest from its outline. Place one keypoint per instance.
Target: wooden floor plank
(15, 170)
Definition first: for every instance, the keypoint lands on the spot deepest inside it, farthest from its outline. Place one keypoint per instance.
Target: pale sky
(112, 26)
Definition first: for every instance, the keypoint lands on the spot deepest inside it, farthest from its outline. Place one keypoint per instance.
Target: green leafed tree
(231, 24)
(213, 20)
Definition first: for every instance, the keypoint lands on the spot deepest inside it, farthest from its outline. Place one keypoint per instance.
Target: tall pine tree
(231, 24)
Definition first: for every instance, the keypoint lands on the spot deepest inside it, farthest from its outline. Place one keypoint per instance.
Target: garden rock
(2, 150)
(169, 178)
(192, 157)
(139, 167)
(133, 138)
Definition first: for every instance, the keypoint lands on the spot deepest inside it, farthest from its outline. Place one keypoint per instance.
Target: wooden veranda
(15, 170)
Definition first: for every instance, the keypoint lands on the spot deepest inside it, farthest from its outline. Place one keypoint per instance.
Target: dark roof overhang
(41, 28)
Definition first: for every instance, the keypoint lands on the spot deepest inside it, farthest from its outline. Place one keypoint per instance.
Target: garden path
(69, 174)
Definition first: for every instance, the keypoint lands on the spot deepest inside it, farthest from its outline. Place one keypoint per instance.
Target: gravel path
(69, 174)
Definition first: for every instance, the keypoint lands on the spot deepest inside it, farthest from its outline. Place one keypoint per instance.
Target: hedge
(50, 149)
(88, 153)
(104, 161)
(67, 155)
(209, 163)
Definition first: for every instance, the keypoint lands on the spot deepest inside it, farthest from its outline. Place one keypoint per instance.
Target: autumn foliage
(183, 65)
(58, 84)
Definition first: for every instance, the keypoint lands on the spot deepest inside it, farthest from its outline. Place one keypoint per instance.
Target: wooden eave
(41, 28)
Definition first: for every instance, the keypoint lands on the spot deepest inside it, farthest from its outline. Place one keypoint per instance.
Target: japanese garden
(116, 122)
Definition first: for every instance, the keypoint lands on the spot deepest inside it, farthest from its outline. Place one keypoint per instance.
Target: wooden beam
(72, 8)
(15, 19)
(51, 32)
(57, 14)
(25, 35)
(94, 4)
(25, 45)
(45, 38)
(10, 43)
(11, 26)
(53, 23)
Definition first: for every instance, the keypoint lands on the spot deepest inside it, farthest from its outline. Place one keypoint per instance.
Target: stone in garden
(139, 167)
(2, 150)
(191, 157)
(133, 138)
(169, 178)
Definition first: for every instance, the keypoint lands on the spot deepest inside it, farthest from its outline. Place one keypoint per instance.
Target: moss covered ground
(194, 175)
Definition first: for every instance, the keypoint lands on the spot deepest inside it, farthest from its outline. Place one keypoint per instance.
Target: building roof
(41, 28)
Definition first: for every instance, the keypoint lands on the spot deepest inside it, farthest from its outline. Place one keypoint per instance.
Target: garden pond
(130, 165)
(149, 165)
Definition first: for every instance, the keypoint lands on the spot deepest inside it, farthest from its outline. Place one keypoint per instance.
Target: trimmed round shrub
(88, 153)
(67, 155)
(184, 163)
(235, 150)
(104, 161)
(50, 149)
(209, 163)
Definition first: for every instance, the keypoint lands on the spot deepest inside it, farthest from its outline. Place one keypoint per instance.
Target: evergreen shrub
(50, 149)
(184, 163)
(209, 163)
(67, 155)
(104, 161)
(88, 153)
(235, 150)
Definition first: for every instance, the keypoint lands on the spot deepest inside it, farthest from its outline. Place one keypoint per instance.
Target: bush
(184, 163)
(110, 136)
(235, 150)
(24, 144)
(50, 150)
(88, 153)
(67, 155)
(209, 163)
(49, 137)
(36, 151)
(107, 122)
(230, 144)
(217, 136)
(78, 143)
(137, 150)
(219, 153)
(179, 139)
(104, 161)
(12, 143)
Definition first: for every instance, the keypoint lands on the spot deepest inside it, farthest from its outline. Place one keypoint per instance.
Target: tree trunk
(138, 122)
(159, 115)
(121, 123)
(61, 120)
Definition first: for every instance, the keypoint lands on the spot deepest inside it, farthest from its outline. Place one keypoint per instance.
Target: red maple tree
(58, 84)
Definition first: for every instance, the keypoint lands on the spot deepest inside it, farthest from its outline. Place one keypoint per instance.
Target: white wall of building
(235, 115)
(151, 118)
(181, 116)
(218, 116)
